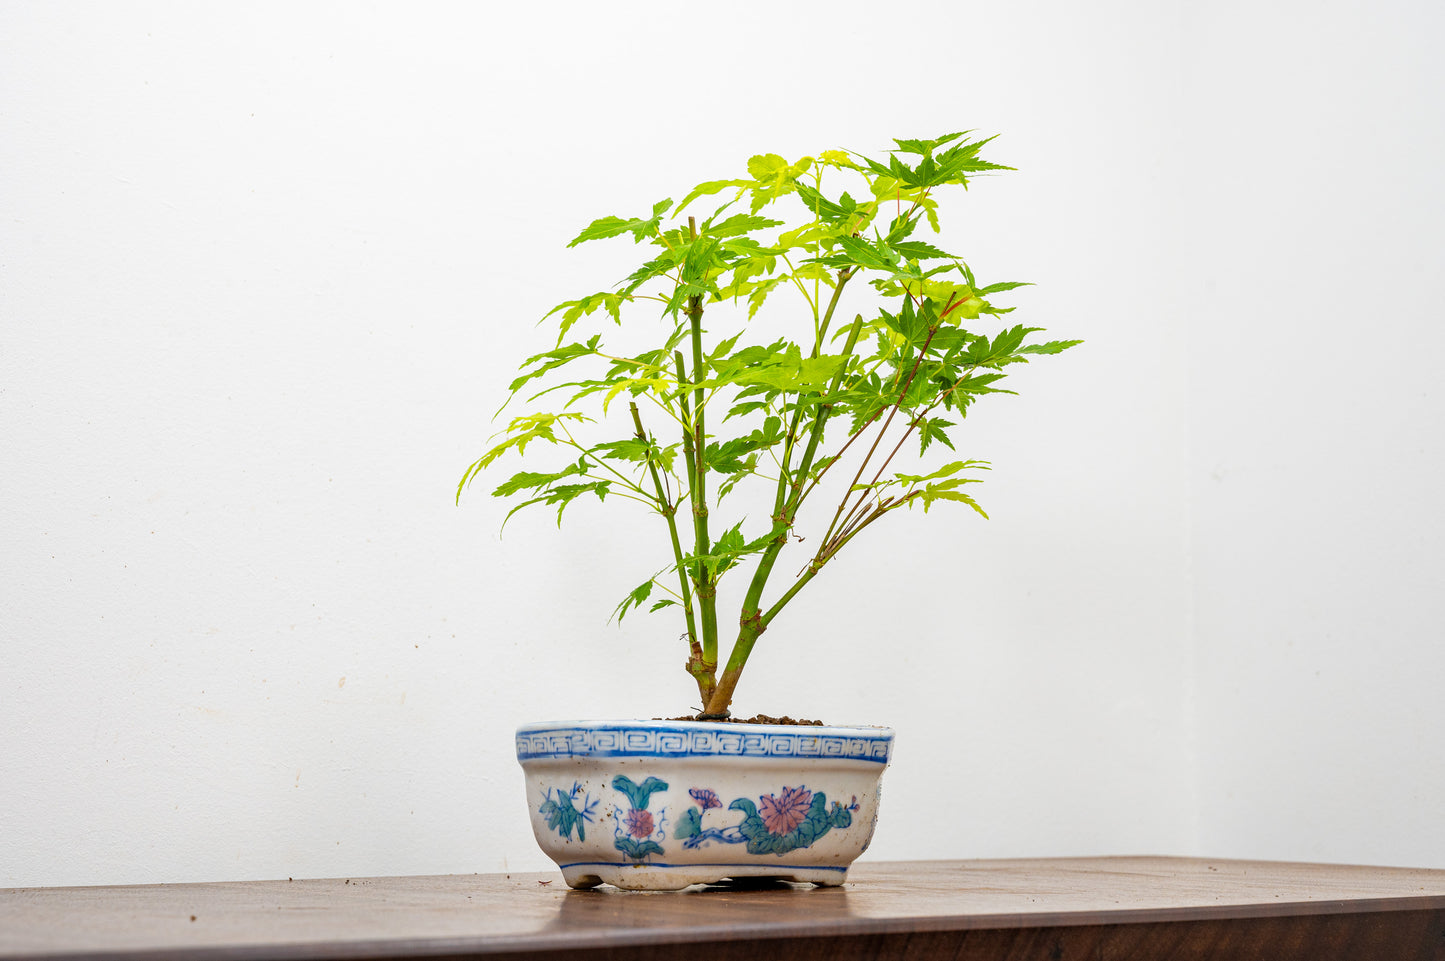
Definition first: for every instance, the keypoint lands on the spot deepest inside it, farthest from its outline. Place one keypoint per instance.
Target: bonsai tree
(824, 412)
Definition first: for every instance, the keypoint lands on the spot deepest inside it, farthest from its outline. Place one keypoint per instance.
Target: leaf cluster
(737, 409)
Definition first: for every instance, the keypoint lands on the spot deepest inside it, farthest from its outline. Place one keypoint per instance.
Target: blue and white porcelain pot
(659, 805)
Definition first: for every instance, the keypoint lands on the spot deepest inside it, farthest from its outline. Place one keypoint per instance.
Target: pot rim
(697, 739)
(872, 730)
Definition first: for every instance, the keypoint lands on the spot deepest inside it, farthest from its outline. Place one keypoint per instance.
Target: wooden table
(1131, 909)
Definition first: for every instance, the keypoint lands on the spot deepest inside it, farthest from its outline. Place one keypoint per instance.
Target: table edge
(541, 943)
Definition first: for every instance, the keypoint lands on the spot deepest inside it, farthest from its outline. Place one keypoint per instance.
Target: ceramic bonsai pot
(660, 805)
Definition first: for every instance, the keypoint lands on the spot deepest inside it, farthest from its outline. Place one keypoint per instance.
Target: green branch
(695, 663)
(697, 477)
(823, 552)
(752, 623)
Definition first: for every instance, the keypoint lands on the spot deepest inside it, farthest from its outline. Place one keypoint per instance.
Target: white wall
(264, 271)
(1317, 416)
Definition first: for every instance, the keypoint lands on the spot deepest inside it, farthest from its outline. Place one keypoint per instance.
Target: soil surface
(755, 719)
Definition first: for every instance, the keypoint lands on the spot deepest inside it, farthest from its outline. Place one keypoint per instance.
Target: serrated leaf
(907, 324)
(773, 177)
(701, 265)
(712, 187)
(760, 293)
(732, 480)
(900, 171)
(931, 429)
(766, 166)
(919, 250)
(966, 307)
(728, 457)
(979, 384)
(815, 271)
(554, 359)
(931, 494)
(727, 550)
(528, 480)
(630, 449)
(821, 207)
(1052, 347)
(634, 598)
(604, 227)
(724, 347)
(562, 495)
(838, 158)
(1000, 288)
(601, 229)
(901, 228)
(926, 147)
(739, 410)
(636, 385)
(864, 254)
(525, 429)
(739, 224)
(998, 351)
(653, 268)
(573, 310)
(947, 470)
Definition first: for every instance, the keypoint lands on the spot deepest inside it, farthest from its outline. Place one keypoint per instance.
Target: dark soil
(755, 719)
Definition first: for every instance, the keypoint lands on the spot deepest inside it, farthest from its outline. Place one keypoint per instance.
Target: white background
(266, 268)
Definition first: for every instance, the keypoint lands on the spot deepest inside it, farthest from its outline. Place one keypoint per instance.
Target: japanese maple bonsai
(822, 410)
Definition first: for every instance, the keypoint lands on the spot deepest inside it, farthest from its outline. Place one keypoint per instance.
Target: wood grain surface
(1056, 909)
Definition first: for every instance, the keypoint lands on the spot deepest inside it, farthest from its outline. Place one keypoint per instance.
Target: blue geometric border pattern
(783, 867)
(680, 740)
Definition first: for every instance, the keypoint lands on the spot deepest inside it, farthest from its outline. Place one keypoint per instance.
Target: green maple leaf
(640, 229)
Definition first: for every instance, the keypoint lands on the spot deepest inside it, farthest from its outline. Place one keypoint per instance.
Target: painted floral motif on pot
(638, 833)
(792, 818)
(560, 809)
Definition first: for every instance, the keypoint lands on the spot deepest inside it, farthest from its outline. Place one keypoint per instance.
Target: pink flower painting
(639, 823)
(782, 814)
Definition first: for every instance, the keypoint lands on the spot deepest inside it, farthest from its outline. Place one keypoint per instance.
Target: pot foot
(581, 882)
